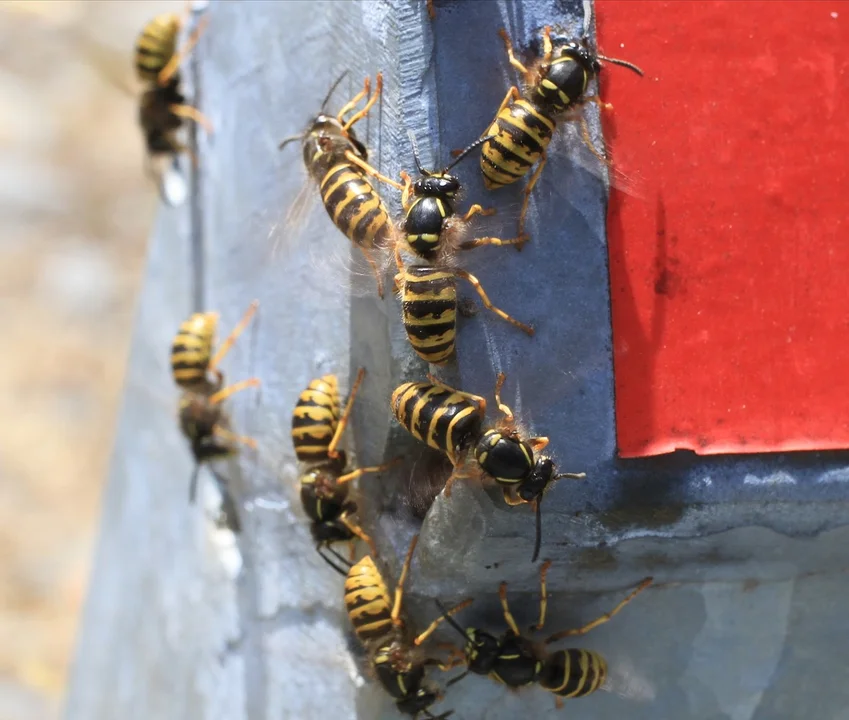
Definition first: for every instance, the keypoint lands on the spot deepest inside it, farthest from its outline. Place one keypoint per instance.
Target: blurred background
(76, 208)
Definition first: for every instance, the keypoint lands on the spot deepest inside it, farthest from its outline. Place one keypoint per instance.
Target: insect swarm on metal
(318, 423)
(452, 421)
(379, 624)
(433, 233)
(195, 370)
(524, 123)
(338, 162)
(163, 107)
(515, 660)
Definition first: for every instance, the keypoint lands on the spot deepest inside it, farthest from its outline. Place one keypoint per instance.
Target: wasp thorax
(481, 651)
(325, 143)
(418, 702)
(564, 80)
(440, 185)
(505, 457)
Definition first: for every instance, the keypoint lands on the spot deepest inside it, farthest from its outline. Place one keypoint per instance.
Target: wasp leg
(508, 617)
(602, 619)
(503, 407)
(343, 421)
(508, 46)
(475, 283)
(478, 210)
(428, 631)
(405, 193)
(543, 595)
(352, 103)
(356, 117)
(588, 141)
(523, 236)
(192, 113)
(510, 498)
(547, 47)
(366, 168)
(177, 58)
(232, 437)
(225, 347)
(478, 242)
(226, 392)
(538, 444)
(359, 472)
(431, 11)
(375, 269)
(399, 588)
(357, 530)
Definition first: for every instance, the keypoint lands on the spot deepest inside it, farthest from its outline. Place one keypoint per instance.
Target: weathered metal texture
(747, 552)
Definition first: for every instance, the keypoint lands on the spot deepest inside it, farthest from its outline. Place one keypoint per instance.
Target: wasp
(452, 421)
(163, 107)
(524, 123)
(432, 231)
(338, 162)
(378, 622)
(318, 422)
(195, 370)
(515, 660)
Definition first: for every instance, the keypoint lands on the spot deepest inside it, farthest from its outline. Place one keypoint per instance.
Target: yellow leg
(359, 472)
(225, 347)
(588, 141)
(431, 11)
(543, 594)
(508, 617)
(504, 408)
(428, 631)
(510, 498)
(604, 618)
(475, 283)
(366, 168)
(399, 261)
(352, 103)
(508, 46)
(478, 210)
(405, 193)
(224, 393)
(478, 242)
(596, 100)
(547, 47)
(192, 113)
(375, 269)
(457, 473)
(343, 421)
(357, 530)
(356, 117)
(538, 444)
(225, 434)
(174, 63)
(523, 236)
(399, 588)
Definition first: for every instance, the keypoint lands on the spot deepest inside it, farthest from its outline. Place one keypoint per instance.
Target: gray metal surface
(747, 619)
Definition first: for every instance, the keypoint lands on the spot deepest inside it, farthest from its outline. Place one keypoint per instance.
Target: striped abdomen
(156, 46)
(429, 311)
(445, 419)
(354, 205)
(522, 132)
(191, 350)
(368, 601)
(573, 672)
(315, 419)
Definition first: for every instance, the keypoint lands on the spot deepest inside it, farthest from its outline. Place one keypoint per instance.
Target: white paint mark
(704, 482)
(834, 15)
(833, 476)
(779, 478)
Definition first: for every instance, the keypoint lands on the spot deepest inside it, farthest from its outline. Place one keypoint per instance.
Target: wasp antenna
(465, 151)
(341, 570)
(457, 679)
(332, 90)
(622, 63)
(193, 483)
(450, 620)
(538, 538)
(289, 139)
(416, 157)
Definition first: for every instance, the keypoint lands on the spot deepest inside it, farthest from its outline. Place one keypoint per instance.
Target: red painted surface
(730, 270)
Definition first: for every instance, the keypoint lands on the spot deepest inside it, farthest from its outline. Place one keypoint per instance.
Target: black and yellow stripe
(191, 350)
(445, 419)
(521, 457)
(315, 419)
(156, 46)
(354, 205)
(368, 601)
(429, 311)
(573, 672)
(423, 224)
(522, 131)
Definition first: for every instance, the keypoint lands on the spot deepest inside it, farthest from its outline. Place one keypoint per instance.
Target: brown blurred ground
(76, 209)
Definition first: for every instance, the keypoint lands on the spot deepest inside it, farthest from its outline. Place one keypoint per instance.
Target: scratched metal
(748, 552)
